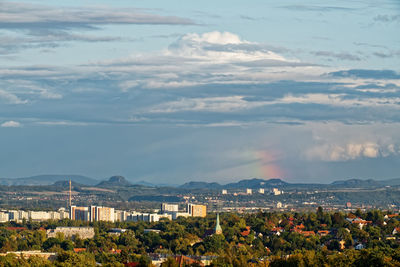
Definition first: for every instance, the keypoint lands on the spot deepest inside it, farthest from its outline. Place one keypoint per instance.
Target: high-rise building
(165, 207)
(147, 217)
(120, 215)
(261, 190)
(92, 213)
(249, 191)
(196, 210)
(224, 191)
(79, 213)
(98, 213)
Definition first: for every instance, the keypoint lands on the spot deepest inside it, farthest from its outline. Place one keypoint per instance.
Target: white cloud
(11, 98)
(11, 124)
(350, 151)
(210, 104)
(339, 100)
(208, 58)
(220, 47)
(215, 37)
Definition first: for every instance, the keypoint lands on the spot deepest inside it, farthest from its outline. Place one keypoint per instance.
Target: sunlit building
(196, 210)
(79, 213)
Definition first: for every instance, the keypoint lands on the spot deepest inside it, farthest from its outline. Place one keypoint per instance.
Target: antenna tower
(70, 193)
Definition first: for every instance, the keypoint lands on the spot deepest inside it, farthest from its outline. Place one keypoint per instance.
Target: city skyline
(171, 91)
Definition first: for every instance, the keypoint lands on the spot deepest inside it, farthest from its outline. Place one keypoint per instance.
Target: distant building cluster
(20, 215)
(249, 191)
(168, 211)
(107, 214)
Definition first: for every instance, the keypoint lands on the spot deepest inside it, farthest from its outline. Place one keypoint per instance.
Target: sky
(176, 91)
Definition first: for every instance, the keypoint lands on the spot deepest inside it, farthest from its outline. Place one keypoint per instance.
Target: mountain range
(48, 179)
(254, 183)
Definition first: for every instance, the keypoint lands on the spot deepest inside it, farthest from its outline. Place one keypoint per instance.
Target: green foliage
(70, 259)
(187, 236)
(214, 243)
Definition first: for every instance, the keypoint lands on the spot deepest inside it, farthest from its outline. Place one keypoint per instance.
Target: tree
(144, 261)
(67, 245)
(68, 258)
(51, 242)
(214, 243)
(320, 214)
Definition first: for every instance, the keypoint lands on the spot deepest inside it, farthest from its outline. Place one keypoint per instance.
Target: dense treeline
(262, 239)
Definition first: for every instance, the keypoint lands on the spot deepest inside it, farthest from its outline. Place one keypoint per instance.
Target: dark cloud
(366, 74)
(389, 54)
(246, 47)
(10, 45)
(96, 98)
(316, 8)
(340, 55)
(19, 16)
(387, 18)
(369, 45)
(46, 27)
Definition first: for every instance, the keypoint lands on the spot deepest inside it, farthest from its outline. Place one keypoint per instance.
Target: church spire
(218, 229)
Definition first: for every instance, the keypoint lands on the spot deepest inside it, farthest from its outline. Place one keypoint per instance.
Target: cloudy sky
(172, 91)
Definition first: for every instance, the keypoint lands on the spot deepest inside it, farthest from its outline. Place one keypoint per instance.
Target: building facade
(196, 210)
(72, 232)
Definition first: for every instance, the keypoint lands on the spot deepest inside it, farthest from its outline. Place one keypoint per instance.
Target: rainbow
(268, 166)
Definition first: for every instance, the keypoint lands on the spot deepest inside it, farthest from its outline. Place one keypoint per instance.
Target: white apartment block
(165, 207)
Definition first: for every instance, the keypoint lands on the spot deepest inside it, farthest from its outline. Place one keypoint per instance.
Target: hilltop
(115, 181)
(48, 179)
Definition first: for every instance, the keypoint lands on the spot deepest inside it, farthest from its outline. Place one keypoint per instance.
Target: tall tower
(70, 193)
(218, 229)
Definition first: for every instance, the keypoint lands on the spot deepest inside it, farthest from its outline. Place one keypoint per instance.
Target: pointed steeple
(218, 229)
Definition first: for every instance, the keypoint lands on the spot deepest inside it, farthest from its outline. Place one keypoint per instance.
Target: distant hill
(391, 182)
(48, 179)
(65, 184)
(148, 184)
(256, 183)
(242, 184)
(115, 181)
(200, 185)
(356, 183)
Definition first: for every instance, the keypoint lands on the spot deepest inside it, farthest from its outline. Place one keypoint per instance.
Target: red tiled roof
(361, 221)
(307, 233)
(183, 261)
(301, 226)
(323, 232)
(76, 250)
(246, 232)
